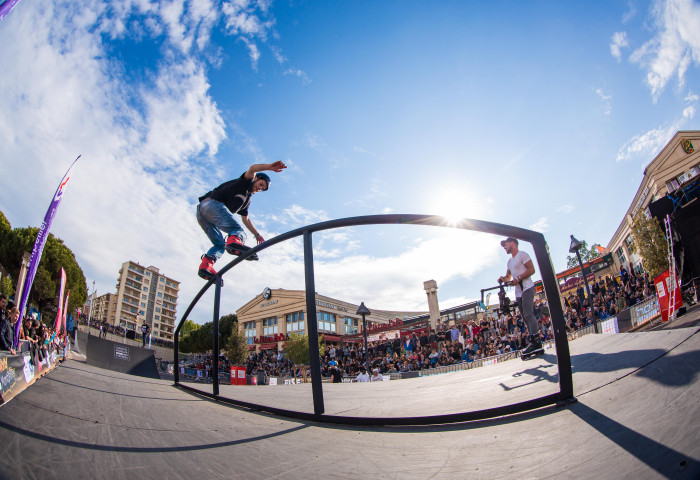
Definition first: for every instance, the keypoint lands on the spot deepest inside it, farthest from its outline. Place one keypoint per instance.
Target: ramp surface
(636, 417)
(119, 357)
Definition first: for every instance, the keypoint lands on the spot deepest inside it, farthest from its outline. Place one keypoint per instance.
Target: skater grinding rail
(216, 209)
(520, 269)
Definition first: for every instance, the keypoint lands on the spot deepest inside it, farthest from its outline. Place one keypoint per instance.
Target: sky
(539, 114)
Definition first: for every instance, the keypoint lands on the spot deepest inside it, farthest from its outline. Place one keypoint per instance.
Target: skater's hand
(278, 166)
(259, 238)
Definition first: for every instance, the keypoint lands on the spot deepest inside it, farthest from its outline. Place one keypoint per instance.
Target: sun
(454, 205)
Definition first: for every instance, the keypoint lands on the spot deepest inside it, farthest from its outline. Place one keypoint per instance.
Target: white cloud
(541, 225)
(565, 209)
(605, 101)
(646, 145)
(630, 13)
(691, 97)
(617, 42)
(689, 112)
(305, 80)
(674, 47)
(144, 150)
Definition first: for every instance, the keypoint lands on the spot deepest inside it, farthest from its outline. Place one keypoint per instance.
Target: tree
(649, 241)
(7, 286)
(297, 350)
(227, 325)
(587, 254)
(188, 327)
(236, 347)
(45, 289)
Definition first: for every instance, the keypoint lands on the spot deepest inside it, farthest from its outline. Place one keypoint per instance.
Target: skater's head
(261, 182)
(510, 244)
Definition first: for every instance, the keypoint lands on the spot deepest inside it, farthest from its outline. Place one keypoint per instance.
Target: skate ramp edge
(118, 357)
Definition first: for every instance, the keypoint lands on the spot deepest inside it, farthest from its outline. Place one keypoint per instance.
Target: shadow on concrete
(135, 379)
(126, 449)
(539, 374)
(664, 460)
(109, 392)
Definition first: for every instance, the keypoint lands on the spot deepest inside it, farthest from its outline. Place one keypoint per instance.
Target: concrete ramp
(118, 357)
(636, 418)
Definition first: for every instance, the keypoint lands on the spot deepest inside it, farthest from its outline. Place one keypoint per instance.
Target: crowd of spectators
(35, 337)
(462, 342)
(610, 296)
(104, 328)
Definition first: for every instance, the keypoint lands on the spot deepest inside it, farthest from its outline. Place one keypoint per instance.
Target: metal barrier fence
(550, 286)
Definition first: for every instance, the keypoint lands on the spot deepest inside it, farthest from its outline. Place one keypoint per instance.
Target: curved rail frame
(551, 289)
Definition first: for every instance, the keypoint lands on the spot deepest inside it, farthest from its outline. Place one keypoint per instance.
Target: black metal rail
(551, 289)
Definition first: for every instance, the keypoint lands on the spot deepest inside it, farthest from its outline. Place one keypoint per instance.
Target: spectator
(7, 328)
(376, 376)
(363, 376)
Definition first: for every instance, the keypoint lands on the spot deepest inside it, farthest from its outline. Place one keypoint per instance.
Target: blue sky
(536, 114)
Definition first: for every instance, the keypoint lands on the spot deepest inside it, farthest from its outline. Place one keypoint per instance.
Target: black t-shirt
(235, 194)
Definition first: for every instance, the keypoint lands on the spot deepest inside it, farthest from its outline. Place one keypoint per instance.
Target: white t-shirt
(362, 377)
(516, 267)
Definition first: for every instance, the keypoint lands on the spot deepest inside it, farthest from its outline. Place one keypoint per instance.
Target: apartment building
(104, 308)
(144, 295)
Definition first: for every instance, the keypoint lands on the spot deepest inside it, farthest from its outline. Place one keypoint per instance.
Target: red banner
(664, 291)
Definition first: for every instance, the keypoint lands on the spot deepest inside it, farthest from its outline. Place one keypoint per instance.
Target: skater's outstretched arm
(277, 166)
(249, 225)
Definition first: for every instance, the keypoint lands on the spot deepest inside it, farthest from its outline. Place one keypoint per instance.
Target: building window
(326, 322)
(620, 252)
(249, 331)
(270, 326)
(160, 294)
(295, 322)
(158, 309)
(629, 241)
(350, 325)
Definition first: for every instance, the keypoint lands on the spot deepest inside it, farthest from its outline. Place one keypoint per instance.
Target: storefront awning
(331, 338)
(268, 346)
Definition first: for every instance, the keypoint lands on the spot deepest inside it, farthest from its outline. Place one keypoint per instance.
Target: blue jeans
(215, 218)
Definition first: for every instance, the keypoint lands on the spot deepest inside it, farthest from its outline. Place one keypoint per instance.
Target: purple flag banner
(39, 247)
(5, 7)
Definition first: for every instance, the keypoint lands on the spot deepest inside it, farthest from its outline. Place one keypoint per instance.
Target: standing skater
(217, 207)
(520, 269)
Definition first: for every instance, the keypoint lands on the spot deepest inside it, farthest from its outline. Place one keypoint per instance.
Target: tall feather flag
(65, 311)
(39, 247)
(5, 7)
(59, 314)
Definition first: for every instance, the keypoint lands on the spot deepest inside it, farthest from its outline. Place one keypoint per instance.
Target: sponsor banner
(16, 374)
(7, 377)
(645, 310)
(382, 336)
(609, 325)
(665, 290)
(121, 352)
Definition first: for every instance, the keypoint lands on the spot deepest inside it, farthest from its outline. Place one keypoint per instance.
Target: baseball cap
(509, 239)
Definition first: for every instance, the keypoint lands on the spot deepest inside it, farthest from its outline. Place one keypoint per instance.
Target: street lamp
(364, 311)
(574, 248)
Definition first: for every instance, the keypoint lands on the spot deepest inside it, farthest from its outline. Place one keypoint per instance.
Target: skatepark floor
(636, 417)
